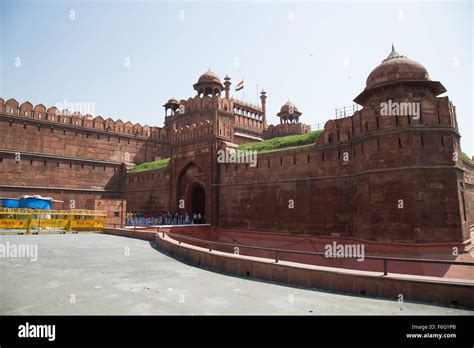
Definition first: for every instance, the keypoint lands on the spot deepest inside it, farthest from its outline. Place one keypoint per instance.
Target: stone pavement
(103, 274)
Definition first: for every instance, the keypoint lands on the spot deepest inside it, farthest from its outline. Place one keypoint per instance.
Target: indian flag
(239, 86)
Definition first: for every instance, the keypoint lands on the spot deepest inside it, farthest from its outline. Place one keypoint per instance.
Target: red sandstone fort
(349, 183)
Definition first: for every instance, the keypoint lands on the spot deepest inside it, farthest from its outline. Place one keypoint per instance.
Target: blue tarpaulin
(30, 202)
(10, 203)
(35, 203)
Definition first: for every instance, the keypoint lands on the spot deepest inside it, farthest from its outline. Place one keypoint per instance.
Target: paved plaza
(92, 273)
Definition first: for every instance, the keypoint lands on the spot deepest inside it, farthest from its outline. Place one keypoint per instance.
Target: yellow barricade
(87, 219)
(49, 223)
(11, 223)
(14, 220)
(50, 219)
(87, 223)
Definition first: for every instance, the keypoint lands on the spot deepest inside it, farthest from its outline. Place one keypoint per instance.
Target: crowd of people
(136, 218)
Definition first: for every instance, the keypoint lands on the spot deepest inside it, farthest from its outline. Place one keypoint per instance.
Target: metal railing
(385, 260)
(346, 111)
(317, 126)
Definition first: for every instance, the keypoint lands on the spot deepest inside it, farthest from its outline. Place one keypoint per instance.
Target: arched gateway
(191, 190)
(197, 199)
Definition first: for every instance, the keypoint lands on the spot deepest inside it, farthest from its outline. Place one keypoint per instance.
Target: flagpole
(257, 94)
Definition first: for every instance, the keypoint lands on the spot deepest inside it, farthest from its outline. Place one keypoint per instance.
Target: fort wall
(281, 130)
(352, 181)
(78, 137)
(467, 194)
(72, 158)
(148, 191)
(369, 176)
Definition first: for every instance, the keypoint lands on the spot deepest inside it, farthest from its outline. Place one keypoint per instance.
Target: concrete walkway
(104, 274)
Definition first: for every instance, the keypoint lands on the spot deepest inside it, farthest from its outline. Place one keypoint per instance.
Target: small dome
(287, 107)
(173, 101)
(289, 111)
(209, 76)
(172, 104)
(394, 68)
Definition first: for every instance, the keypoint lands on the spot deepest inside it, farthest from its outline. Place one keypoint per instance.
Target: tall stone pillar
(227, 84)
(263, 98)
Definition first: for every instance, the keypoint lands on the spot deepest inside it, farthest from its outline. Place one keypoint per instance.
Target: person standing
(186, 218)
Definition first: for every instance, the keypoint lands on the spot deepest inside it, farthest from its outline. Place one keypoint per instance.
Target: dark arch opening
(198, 200)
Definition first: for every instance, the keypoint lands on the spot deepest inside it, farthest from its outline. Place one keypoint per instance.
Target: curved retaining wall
(148, 233)
(438, 251)
(413, 288)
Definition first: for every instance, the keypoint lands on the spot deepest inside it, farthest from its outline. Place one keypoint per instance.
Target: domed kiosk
(397, 69)
(289, 113)
(208, 84)
(172, 105)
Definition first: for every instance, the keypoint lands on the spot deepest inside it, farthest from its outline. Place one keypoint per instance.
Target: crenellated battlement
(197, 103)
(433, 112)
(280, 130)
(65, 117)
(191, 132)
(247, 109)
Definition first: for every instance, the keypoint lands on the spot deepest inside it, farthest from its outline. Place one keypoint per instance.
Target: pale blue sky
(318, 54)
